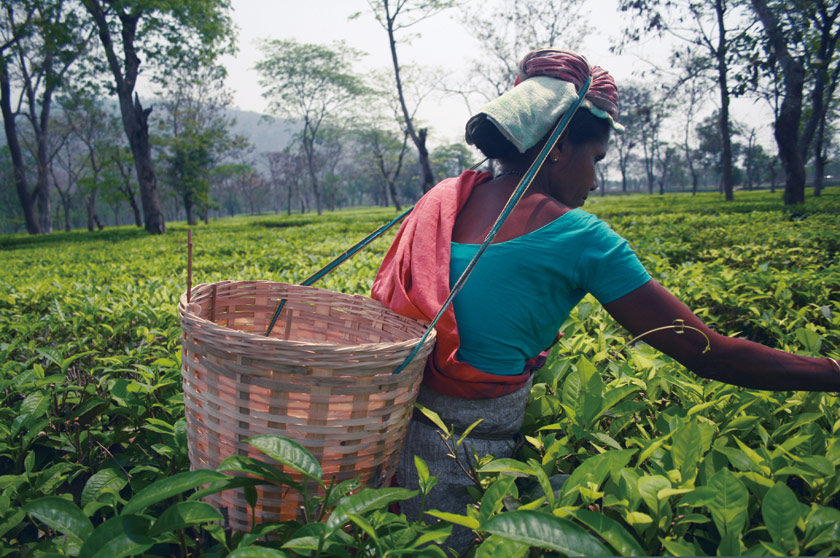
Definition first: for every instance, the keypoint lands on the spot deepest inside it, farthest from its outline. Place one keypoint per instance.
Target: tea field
(654, 461)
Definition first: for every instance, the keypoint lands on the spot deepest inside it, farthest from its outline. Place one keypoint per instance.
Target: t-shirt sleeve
(608, 268)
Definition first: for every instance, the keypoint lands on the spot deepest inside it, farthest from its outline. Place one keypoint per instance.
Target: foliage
(624, 451)
(312, 83)
(507, 29)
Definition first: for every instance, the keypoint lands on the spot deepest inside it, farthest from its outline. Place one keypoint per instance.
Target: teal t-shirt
(522, 290)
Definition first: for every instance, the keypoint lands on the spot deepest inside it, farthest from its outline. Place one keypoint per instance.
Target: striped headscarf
(548, 84)
(567, 65)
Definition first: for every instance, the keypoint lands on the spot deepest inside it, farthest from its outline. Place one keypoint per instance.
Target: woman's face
(573, 176)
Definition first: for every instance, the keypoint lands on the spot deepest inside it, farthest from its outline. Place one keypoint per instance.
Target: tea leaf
(169, 487)
(621, 541)
(125, 535)
(289, 453)
(62, 515)
(545, 531)
(780, 511)
(184, 514)
(366, 500)
(729, 506)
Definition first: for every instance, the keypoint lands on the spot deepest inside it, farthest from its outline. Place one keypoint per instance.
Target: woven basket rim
(259, 338)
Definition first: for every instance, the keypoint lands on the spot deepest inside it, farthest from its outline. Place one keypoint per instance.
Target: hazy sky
(439, 42)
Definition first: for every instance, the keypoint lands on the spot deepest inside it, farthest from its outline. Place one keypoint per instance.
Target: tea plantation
(93, 458)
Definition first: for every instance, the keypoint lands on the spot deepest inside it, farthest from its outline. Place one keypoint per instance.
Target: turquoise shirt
(522, 290)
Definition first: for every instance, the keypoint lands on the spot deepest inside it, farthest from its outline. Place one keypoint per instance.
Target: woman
(544, 259)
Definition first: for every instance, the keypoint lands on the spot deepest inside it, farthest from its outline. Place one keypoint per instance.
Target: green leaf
(649, 487)
(595, 470)
(184, 514)
(679, 548)
(730, 545)
(463, 520)
(221, 485)
(466, 433)
(366, 500)
(685, 450)
(106, 479)
(545, 531)
(289, 453)
(362, 524)
(11, 521)
(729, 506)
(493, 498)
(169, 487)
(780, 511)
(811, 340)
(125, 535)
(245, 464)
(34, 405)
(822, 527)
(621, 541)
(62, 515)
(257, 552)
(508, 466)
(434, 417)
(496, 547)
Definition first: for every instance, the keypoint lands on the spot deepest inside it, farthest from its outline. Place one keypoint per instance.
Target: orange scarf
(413, 281)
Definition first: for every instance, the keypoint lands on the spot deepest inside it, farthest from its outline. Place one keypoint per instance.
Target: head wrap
(548, 83)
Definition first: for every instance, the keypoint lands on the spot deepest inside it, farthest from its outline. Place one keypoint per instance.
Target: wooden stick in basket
(189, 264)
(346, 255)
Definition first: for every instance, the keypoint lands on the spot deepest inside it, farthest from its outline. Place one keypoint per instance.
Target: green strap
(346, 255)
(524, 183)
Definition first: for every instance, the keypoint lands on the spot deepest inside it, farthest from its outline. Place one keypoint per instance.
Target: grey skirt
(502, 420)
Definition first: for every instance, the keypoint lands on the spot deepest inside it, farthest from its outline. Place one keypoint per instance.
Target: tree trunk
(26, 202)
(135, 122)
(93, 222)
(819, 166)
(309, 150)
(135, 209)
(134, 116)
(418, 136)
(65, 201)
(188, 207)
(720, 53)
(392, 189)
(786, 129)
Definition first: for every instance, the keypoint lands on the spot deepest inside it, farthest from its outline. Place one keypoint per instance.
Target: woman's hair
(583, 128)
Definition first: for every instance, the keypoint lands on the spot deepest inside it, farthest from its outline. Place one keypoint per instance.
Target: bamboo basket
(324, 378)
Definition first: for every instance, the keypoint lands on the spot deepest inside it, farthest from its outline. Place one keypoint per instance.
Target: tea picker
(337, 373)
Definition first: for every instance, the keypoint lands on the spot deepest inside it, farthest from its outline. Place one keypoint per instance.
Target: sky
(438, 42)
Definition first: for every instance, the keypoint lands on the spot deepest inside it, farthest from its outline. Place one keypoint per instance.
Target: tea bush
(624, 451)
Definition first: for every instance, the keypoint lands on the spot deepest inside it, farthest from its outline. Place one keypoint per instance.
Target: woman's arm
(734, 361)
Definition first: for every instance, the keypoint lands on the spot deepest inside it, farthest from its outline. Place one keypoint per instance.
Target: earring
(554, 159)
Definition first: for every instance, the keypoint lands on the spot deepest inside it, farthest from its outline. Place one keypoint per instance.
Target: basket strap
(346, 255)
(524, 183)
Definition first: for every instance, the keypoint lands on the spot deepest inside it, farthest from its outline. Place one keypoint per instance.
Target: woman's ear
(561, 151)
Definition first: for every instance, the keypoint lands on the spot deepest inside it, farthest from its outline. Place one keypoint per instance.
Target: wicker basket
(324, 379)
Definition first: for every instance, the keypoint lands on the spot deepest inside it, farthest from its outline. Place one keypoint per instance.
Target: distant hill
(265, 133)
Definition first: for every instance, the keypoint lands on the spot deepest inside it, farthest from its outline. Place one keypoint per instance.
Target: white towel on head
(529, 111)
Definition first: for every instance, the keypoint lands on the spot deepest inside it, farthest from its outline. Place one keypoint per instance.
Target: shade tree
(161, 36)
(195, 133)
(720, 28)
(799, 39)
(394, 16)
(313, 84)
(40, 40)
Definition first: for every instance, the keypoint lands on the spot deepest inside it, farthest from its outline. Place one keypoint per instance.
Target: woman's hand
(734, 361)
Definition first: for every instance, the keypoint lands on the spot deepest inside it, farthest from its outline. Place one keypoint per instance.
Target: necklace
(509, 173)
